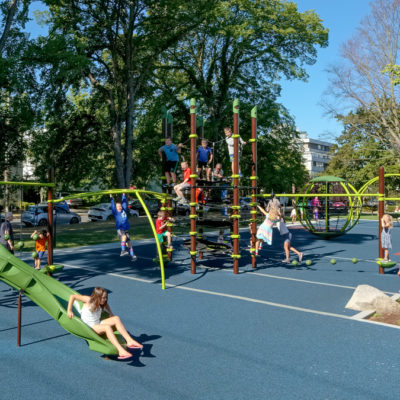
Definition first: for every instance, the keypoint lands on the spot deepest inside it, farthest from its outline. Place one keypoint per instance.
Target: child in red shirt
(40, 245)
(161, 228)
(185, 184)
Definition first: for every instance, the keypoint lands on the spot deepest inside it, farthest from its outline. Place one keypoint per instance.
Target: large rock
(367, 297)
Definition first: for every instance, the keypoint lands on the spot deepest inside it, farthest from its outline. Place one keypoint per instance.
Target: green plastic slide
(52, 296)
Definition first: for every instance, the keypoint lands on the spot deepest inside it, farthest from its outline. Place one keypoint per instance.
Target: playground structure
(197, 219)
(53, 296)
(335, 213)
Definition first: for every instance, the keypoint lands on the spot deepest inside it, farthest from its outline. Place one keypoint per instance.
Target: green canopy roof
(327, 178)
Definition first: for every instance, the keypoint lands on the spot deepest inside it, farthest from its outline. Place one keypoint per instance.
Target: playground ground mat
(275, 332)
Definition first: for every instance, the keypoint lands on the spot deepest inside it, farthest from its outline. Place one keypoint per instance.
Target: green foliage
(241, 50)
(357, 154)
(393, 71)
(17, 85)
(107, 68)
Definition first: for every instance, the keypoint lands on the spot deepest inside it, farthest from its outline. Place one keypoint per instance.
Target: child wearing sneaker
(161, 228)
(185, 184)
(287, 237)
(120, 211)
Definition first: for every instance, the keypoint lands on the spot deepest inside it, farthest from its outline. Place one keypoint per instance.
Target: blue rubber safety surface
(274, 332)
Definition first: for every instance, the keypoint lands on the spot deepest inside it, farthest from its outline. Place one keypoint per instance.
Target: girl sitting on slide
(91, 313)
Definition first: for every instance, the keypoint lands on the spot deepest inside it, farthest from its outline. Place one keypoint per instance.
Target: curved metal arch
(137, 193)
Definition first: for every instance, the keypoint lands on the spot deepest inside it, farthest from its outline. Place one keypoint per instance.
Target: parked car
(72, 203)
(153, 206)
(338, 204)
(103, 212)
(38, 216)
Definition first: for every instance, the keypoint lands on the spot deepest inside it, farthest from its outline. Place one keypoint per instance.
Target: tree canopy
(90, 91)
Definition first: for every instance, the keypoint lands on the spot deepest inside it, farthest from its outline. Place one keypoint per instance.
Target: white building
(315, 154)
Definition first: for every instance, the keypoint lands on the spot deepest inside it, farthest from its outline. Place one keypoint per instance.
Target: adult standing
(6, 233)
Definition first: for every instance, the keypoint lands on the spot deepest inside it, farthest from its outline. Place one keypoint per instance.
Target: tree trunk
(119, 164)
(10, 16)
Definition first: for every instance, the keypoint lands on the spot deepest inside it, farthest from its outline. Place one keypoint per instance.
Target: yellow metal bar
(112, 191)
(322, 195)
(27, 184)
(153, 228)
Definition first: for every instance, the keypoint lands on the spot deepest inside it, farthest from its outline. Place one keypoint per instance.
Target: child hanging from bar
(120, 212)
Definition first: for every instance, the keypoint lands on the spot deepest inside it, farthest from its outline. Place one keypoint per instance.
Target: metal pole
(254, 190)
(19, 318)
(51, 241)
(193, 233)
(381, 211)
(235, 176)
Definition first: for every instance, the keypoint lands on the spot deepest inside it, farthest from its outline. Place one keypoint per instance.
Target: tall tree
(359, 82)
(17, 85)
(241, 50)
(109, 48)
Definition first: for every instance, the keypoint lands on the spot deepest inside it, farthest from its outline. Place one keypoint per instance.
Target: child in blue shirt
(204, 159)
(120, 211)
(171, 152)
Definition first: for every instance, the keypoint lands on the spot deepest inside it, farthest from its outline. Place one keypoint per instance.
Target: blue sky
(302, 99)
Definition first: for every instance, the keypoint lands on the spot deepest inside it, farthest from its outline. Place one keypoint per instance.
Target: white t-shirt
(230, 142)
(293, 213)
(90, 317)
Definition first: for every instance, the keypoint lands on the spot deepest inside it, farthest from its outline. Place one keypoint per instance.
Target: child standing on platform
(120, 211)
(161, 228)
(386, 236)
(230, 142)
(171, 152)
(40, 245)
(204, 159)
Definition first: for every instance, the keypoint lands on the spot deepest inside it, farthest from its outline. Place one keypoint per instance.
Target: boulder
(367, 297)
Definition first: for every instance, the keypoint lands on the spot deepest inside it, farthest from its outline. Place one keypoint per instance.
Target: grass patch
(86, 234)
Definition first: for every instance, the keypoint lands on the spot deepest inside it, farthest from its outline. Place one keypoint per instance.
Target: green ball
(308, 262)
(354, 260)
(333, 261)
(294, 262)
(34, 254)
(52, 268)
(6, 236)
(35, 237)
(20, 245)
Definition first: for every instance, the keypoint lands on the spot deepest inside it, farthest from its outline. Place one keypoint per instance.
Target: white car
(103, 212)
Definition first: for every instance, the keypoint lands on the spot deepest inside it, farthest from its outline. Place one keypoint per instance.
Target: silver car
(38, 216)
(103, 212)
